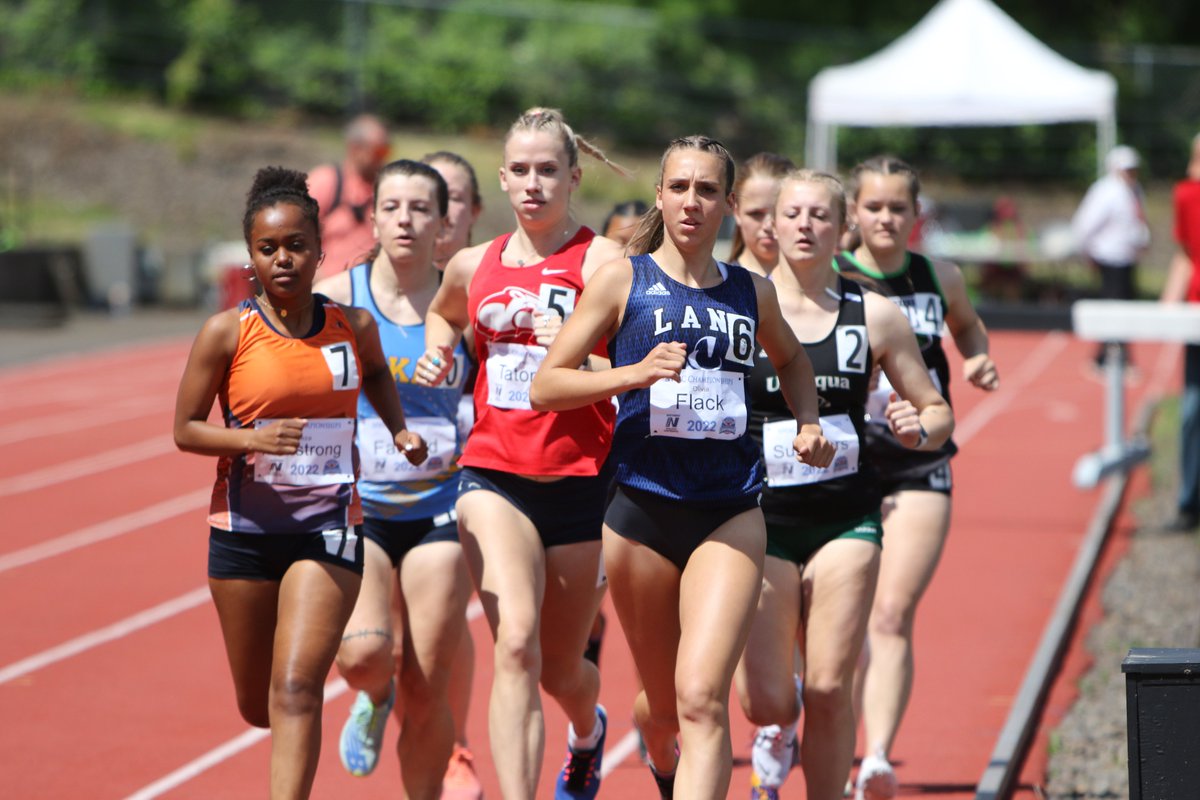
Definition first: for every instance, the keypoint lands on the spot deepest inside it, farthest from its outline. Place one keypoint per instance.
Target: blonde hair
(650, 230)
(837, 189)
(550, 120)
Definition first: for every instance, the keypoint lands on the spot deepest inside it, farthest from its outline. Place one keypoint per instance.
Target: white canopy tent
(965, 63)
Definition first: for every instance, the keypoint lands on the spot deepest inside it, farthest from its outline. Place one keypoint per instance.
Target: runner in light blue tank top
(412, 558)
(390, 487)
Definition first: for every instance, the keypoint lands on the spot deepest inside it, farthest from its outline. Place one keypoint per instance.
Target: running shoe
(362, 735)
(580, 776)
(460, 781)
(665, 784)
(774, 753)
(771, 757)
(760, 792)
(876, 779)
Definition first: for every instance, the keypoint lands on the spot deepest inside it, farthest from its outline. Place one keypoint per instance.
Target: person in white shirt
(1110, 227)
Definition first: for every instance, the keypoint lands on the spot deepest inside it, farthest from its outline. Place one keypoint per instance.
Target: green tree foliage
(633, 71)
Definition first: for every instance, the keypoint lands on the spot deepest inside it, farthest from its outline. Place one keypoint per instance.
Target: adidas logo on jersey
(658, 289)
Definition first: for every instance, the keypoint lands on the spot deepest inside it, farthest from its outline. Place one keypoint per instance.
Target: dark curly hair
(280, 185)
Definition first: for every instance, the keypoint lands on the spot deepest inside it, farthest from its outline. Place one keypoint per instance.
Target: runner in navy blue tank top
(823, 526)
(683, 536)
(917, 486)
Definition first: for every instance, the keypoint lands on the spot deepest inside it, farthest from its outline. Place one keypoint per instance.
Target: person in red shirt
(1183, 285)
(345, 192)
(532, 492)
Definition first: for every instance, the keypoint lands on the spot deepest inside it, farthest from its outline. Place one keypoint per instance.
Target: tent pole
(1106, 139)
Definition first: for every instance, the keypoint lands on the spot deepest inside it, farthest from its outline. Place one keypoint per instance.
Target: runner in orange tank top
(284, 558)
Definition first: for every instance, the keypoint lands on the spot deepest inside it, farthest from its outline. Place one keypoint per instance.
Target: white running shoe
(772, 755)
(876, 779)
(775, 749)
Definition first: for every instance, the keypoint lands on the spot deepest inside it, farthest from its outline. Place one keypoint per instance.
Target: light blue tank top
(391, 488)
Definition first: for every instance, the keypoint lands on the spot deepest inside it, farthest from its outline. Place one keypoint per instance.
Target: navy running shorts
(566, 511)
(671, 528)
(267, 556)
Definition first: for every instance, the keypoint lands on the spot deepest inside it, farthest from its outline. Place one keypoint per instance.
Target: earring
(248, 269)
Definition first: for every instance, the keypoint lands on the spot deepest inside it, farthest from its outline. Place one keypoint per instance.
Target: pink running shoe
(461, 782)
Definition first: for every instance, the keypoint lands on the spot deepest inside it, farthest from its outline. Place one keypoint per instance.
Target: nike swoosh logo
(546, 271)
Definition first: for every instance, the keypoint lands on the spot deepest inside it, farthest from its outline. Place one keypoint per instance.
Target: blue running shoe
(580, 776)
(362, 735)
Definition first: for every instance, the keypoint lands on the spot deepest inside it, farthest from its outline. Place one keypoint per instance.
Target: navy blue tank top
(841, 361)
(689, 440)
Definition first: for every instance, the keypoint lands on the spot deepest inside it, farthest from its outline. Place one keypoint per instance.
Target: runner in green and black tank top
(823, 526)
(884, 197)
(807, 506)
(915, 291)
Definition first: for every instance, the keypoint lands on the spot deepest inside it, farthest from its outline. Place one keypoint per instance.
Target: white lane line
(108, 529)
(80, 419)
(615, 754)
(252, 736)
(1011, 387)
(80, 468)
(117, 630)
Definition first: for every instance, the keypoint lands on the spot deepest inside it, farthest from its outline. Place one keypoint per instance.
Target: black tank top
(915, 291)
(849, 487)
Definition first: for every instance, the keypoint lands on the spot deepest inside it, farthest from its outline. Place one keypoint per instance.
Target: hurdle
(1114, 321)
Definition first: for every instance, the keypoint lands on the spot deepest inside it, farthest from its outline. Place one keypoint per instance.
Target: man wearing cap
(1183, 285)
(344, 193)
(1110, 227)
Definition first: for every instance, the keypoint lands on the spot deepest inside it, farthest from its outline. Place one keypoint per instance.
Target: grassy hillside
(69, 164)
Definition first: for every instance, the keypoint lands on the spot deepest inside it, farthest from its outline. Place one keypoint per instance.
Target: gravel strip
(1149, 601)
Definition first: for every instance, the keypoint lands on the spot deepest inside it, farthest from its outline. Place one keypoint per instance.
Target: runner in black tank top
(823, 526)
(883, 195)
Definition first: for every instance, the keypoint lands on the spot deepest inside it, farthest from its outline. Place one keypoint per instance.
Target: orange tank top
(273, 376)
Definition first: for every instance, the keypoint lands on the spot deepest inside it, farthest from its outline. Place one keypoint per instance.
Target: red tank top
(508, 435)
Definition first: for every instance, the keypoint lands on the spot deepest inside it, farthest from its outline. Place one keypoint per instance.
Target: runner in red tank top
(285, 564)
(531, 501)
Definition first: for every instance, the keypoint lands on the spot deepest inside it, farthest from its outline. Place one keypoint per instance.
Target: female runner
(823, 526)
(683, 534)
(466, 204)
(531, 501)
(916, 486)
(285, 560)
(754, 246)
(411, 551)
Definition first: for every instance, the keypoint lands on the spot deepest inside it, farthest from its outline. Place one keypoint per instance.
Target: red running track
(113, 682)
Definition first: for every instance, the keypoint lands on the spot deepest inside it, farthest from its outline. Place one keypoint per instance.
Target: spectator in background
(623, 220)
(1003, 278)
(344, 193)
(1110, 228)
(1183, 285)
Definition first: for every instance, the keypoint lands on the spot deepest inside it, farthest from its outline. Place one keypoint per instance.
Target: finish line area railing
(1112, 322)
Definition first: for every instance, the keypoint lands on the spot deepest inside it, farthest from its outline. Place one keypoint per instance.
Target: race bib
(381, 462)
(324, 456)
(510, 371)
(784, 470)
(924, 312)
(703, 404)
(881, 395)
